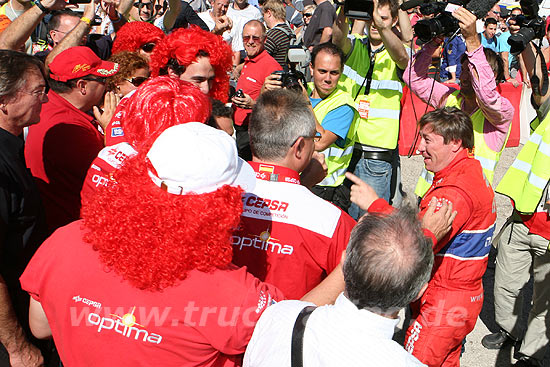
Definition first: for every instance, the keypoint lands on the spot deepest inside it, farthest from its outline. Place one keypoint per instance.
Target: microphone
(412, 4)
(480, 8)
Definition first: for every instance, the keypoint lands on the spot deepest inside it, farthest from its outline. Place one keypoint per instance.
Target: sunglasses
(316, 138)
(98, 79)
(148, 47)
(308, 14)
(141, 5)
(256, 39)
(137, 80)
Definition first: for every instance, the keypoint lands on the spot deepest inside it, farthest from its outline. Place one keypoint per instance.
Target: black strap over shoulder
(297, 348)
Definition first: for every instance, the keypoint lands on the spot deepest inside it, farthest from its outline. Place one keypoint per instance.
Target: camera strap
(368, 77)
(544, 72)
(297, 346)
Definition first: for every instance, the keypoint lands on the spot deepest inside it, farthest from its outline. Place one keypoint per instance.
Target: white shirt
(211, 24)
(335, 335)
(239, 19)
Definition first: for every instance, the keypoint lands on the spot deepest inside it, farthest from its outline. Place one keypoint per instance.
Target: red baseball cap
(77, 62)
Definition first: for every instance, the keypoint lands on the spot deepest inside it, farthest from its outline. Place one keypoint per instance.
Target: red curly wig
(184, 45)
(152, 238)
(160, 103)
(132, 35)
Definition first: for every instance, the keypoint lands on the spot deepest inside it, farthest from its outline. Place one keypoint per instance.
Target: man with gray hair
(388, 265)
(22, 222)
(288, 236)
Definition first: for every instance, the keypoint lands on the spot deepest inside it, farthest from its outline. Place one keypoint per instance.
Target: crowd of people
(218, 183)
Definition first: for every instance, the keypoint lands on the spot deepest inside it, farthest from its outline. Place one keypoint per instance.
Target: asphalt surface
(475, 355)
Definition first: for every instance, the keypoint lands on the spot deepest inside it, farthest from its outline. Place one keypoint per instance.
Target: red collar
(56, 99)
(274, 173)
(258, 57)
(464, 154)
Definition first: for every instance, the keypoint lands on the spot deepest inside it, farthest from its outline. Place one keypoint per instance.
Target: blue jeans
(377, 174)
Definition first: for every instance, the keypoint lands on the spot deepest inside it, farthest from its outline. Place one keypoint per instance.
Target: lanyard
(273, 173)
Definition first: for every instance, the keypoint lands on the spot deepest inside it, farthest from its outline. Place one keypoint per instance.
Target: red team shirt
(288, 236)
(98, 319)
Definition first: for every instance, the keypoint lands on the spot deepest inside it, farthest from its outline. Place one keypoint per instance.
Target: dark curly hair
(184, 45)
(128, 63)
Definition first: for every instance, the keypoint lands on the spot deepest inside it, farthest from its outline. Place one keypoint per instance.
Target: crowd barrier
(412, 108)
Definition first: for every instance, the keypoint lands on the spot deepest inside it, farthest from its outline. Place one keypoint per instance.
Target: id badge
(364, 109)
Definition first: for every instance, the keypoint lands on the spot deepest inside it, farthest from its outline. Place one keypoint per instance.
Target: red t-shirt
(288, 236)
(59, 151)
(98, 319)
(251, 80)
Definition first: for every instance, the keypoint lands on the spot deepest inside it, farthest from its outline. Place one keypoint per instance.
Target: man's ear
(424, 287)
(81, 85)
(394, 21)
(456, 145)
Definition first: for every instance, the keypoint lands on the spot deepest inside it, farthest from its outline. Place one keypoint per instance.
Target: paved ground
(476, 355)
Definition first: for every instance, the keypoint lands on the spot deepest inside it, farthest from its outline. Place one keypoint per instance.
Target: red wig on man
(153, 232)
(183, 46)
(160, 103)
(133, 35)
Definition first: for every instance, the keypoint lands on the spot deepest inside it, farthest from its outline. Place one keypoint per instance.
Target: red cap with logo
(78, 62)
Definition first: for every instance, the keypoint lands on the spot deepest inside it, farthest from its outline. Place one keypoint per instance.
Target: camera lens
(520, 40)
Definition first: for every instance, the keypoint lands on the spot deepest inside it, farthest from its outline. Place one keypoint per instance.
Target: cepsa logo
(274, 205)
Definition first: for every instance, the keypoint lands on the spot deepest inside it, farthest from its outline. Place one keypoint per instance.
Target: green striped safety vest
(379, 110)
(337, 158)
(485, 155)
(525, 180)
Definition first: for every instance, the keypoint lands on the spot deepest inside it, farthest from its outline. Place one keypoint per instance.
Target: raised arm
(340, 31)
(74, 37)
(416, 78)
(19, 31)
(533, 65)
(393, 44)
(496, 109)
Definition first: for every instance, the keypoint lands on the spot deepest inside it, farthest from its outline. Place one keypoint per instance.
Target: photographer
(377, 88)
(491, 113)
(523, 242)
(257, 66)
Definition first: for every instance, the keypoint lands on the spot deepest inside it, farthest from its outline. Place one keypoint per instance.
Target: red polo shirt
(252, 78)
(59, 151)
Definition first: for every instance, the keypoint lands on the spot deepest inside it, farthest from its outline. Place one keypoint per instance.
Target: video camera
(359, 9)
(289, 76)
(531, 26)
(442, 24)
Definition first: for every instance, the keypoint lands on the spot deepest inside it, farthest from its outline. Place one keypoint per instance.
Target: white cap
(196, 158)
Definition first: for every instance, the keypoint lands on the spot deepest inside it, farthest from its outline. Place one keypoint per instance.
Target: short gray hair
(277, 120)
(388, 261)
(13, 68)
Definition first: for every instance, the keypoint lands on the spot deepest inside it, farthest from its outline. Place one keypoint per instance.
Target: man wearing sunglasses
(287, 235)
(60, 149)
(258, 65)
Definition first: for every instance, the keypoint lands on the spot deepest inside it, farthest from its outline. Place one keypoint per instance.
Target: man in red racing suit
(449, 308)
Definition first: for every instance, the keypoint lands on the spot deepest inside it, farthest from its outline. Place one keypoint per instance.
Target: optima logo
(125, 325)
(262, 242)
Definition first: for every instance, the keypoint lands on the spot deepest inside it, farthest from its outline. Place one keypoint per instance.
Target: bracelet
(86, 20)
(40, 6)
